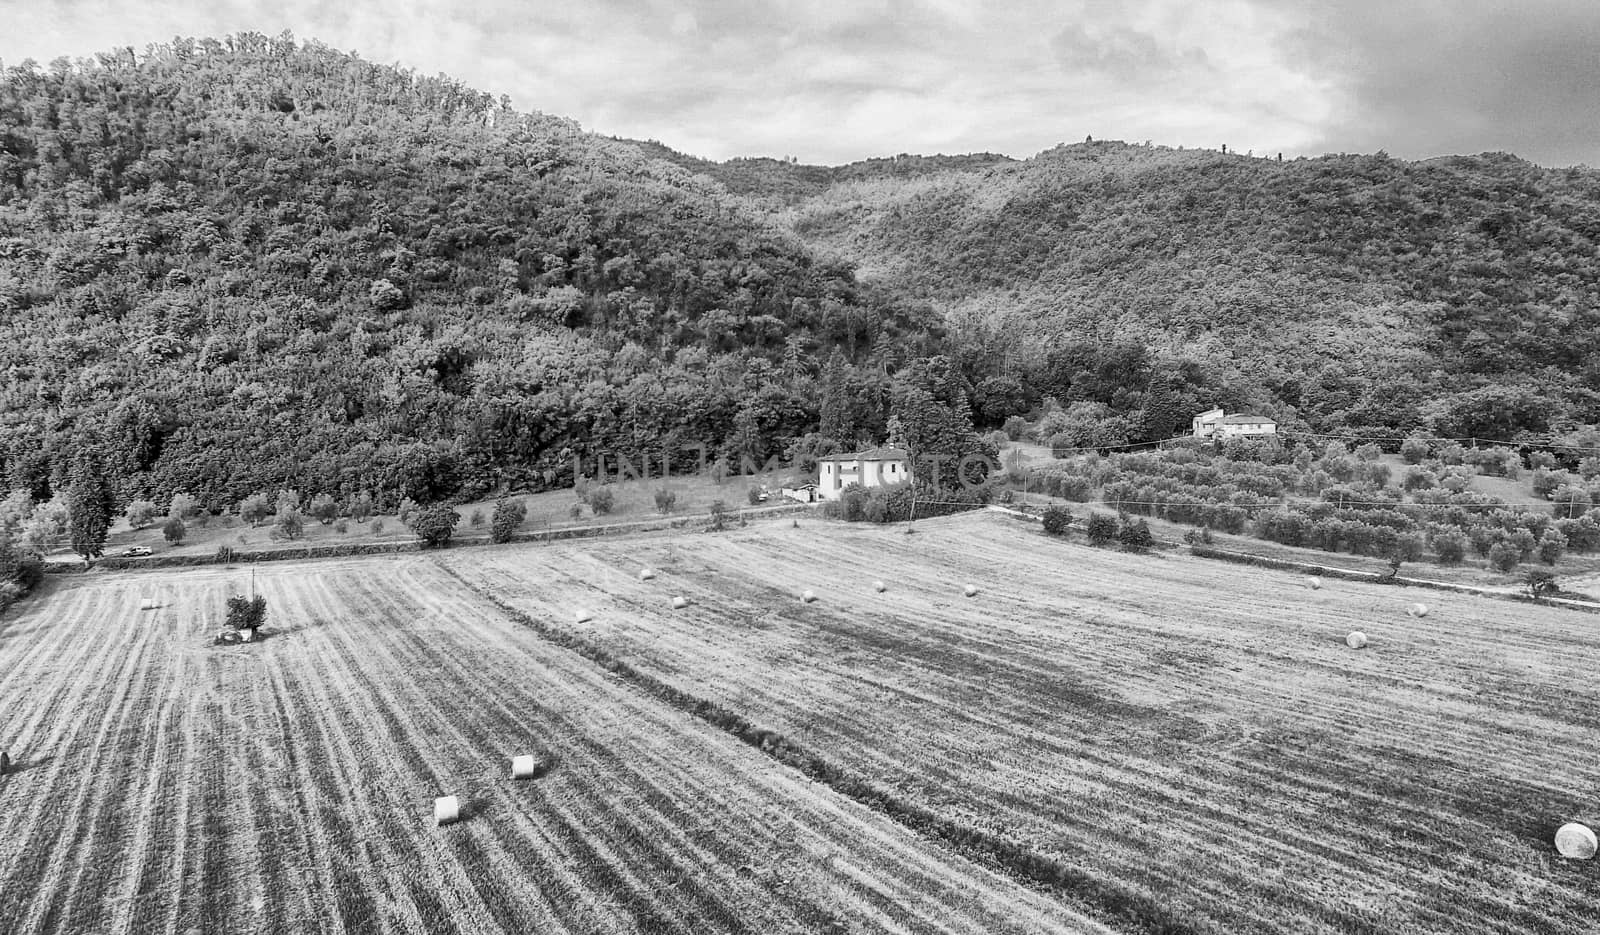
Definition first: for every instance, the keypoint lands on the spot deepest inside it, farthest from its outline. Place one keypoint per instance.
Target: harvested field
(1182, 745)
(165, 785)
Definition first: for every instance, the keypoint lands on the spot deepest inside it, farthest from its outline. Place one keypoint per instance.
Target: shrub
(1134, 534)
(852, 503)
(1414, 450)
(1056, 520)
(1201, 536)
(1541, 460)
(1408, 547)
(1503, 556)
(224, 555)
(876, 509)
(580, 487)
(1101, 528)
(1552, 546)
(255, 508)
(173, 530)
(407, 510)
(1525, 542)
(475, 518)
(140, 513)
(1589, 468)
(377, 527)
(1541, 583)
(361, 508)
(289, 524)
(1368, 452)
(666, 499)
(1375, 473)
(434, 524)
(753, 496)
(1418, 478)
(602, 499)
(575, 511)
(719, 514)
(1450, 545)
(324, 508)
(1453, 453)
(1015, 427)
(508, 515)
(999, 438)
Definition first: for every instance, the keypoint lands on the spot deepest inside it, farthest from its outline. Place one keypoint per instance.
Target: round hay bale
(147, 603)
(582, 616)
(446, 809)
(879, 586)
(970, 590)
(247, 634)
(679, 603)
(1314, 582)
(1356, 640)
(523, 767)
(808, 596)
(645, 574)
(1575, 841)
(230, 636)
(1418, 610)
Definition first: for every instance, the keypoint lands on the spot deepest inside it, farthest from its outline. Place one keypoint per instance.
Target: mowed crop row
(168, 785)
(1177, 733)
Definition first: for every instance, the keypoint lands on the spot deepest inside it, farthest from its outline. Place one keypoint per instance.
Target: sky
(832, 82)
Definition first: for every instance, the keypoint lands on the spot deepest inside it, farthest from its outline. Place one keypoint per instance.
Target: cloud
(836, 81)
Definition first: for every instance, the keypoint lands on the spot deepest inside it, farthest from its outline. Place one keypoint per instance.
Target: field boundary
(301, 553)
(1100, 898)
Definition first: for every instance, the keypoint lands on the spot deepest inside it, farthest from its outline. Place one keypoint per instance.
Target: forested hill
(233, 266)
(1360, 293)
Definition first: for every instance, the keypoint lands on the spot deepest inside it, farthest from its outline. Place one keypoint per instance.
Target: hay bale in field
(229, 637)
(247, 634)
(678, 603)
(1313, 582)
(645, 574)
(970, 590)
(446, 809)
(808, 596)
(1418, 610)
(582, 616)
(1356, 640)
(879, 586)
(524, 767)
(147, 603)
(1576, 841)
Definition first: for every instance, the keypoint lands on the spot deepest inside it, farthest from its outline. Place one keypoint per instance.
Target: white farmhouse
(1214, 423)
(875, 467)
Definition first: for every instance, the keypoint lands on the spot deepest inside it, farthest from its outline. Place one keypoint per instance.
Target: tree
(1503, 556)
(1541, 583)
(602, 499)
(1056, 520)
(1159, 416)
(90, 505)
(246, 613)
(173, 530)
(1101, 528)
(508, 515)
(1134, 535)
(1450, 545)
(1571, 501)
(290, 524)
(434, 524)
(254, 508)
(140, 513)
(361, 508)
(719, 515)
(1414, 450)
(324, 508)
(182, 505)
(1552, 545)
(666, 498)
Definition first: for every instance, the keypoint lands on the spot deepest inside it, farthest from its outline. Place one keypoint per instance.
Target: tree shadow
(21, 765)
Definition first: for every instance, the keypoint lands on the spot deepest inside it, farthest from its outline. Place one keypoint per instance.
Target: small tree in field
(246, 613)
(1450, 545)
(666, 499)
(508, 515)
(290, 525)
(1135, 535)
(255, 508)
(719, 514)
(1102, 529)
(361, 508)
(434, 524)
(1056, 520)
(1503, 556)
(182, 505)
(1552, 546)
(602, 499)
(1414, 450)
(475, 519)
(140, 513)
(753, 496)
(324, 508)
(1541, 583)
(173, 530)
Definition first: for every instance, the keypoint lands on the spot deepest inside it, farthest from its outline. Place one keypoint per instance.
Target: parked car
(135, 551)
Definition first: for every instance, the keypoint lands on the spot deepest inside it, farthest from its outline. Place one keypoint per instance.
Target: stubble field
(1095, 742)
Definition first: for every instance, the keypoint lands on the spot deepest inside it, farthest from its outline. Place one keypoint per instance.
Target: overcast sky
(833, 82)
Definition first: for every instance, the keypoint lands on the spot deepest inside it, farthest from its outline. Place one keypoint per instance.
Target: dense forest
(230, 267)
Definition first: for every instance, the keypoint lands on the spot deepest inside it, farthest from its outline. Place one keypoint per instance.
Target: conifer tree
(90, 505)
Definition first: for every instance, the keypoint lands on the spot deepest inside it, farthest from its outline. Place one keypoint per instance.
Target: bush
(1552, 546)
(1101, 528)
(575, 511)
(434, 524)
(1503, 556)
(1450, 545)
(1015, 427)
(361, 508)
(140, 513)
(1201, 536)
(340, 526)
(1368, 452)
(224, 555)
(1414, 450)
(1418, 478)
(1589, 468)
(666, 499)
(719, 515)
(475, 518)
(1453, 453)
(999, 438)
(255, 508)
(173, 530)
(1374, 473)
(1408, 547)
(1056, 520)
(1134, 534)
(377, 527)
(508, 515)
(1541, 460)
(753, 496)
(1571, 501)
(290, 525)
(1541, 583)
(602, 499)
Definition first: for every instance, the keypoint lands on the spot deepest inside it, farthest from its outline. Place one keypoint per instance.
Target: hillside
(1355, 293)
(248, 264)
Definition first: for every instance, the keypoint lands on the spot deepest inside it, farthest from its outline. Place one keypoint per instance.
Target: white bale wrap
(1418, 610)
(1356, 640)
(879, 586)
(970, 590)
(583, 616)
(678, 603)
(645, 574)
(523, 767)
(247, 634)
(147, 603)
(1575, 841)
(1314, 582)
(808, 596)
(446, 809)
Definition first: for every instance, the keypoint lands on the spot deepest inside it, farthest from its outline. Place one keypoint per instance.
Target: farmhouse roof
(871, 454)
(1214, 411)
(1248, 420)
